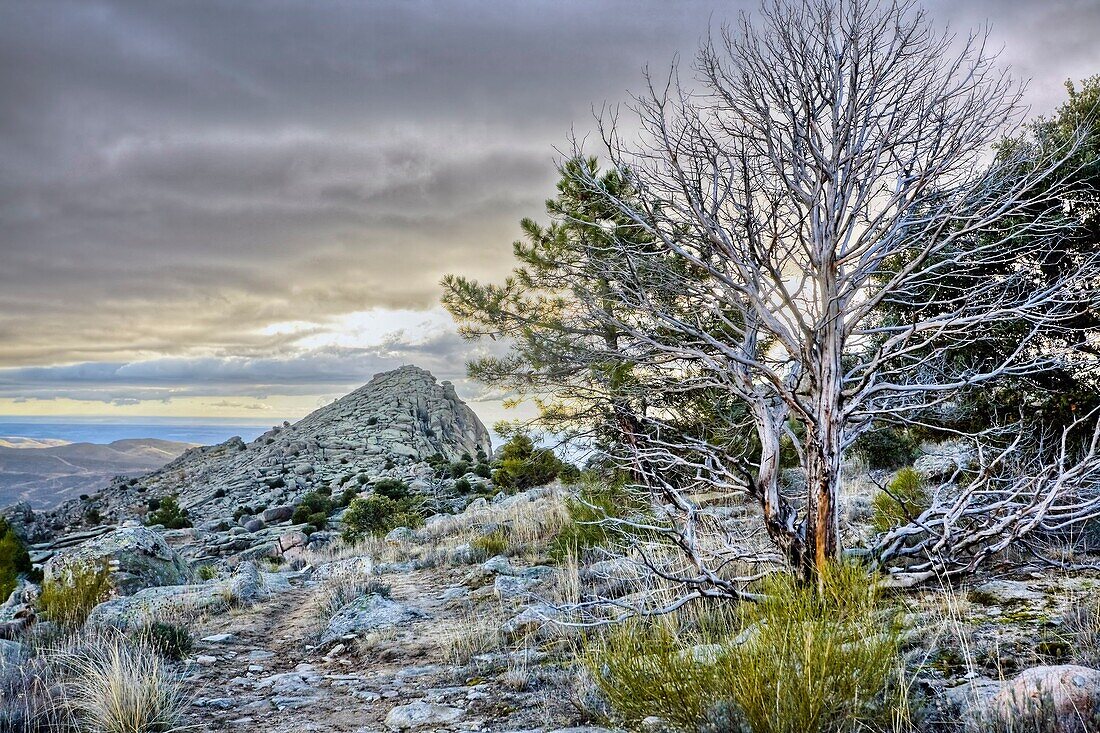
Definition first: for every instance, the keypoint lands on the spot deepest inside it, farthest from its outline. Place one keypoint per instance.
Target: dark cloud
(177, 176)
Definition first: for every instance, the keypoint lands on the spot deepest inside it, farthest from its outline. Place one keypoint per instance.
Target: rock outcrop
(388, 427)
(137, 557)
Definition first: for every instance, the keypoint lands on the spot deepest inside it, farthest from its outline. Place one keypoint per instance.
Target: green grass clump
(69, 599)
(591, 515)
(14, 560)
(799, 661)
(206, 572)
(171, 641)
(492, 544)
(905, 497)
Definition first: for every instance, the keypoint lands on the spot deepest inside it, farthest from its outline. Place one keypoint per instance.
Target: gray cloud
(175, 176)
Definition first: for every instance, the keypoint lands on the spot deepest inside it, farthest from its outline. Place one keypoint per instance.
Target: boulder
(11, 653)
(1004, 593)
(421, 714)
(277, 514)
(366, 613)
(138, 558)
(175, 602)
(290, 540)
(1066, 698)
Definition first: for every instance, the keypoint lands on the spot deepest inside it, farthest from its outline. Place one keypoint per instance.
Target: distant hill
(46, 474)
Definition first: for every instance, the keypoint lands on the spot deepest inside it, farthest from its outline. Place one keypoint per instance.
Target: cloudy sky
(243, 208)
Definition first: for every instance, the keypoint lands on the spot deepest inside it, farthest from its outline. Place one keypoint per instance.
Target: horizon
(194, 226)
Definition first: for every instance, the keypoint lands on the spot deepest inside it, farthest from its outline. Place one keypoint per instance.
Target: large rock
(138, 558)
(1065, 698)
(366, 613)
(421, 714)
(175, 603)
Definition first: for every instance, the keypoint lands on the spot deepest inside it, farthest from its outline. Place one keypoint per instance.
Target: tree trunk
(824, 439)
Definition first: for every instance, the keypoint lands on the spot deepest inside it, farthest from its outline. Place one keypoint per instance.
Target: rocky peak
(386, 428)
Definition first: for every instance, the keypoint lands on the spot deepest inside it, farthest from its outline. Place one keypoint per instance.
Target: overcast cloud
(177, 179)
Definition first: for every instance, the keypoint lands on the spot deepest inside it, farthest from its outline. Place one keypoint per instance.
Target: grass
(591, 516)
(475, 632)
(905, 497)
(800, 661)
(490, 545)
(120, 685)
(68, 600)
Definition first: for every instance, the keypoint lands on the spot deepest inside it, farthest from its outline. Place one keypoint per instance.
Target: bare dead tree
(832, 159)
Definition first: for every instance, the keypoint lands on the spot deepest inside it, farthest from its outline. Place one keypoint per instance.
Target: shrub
(169, 514)
(887, 448)
(522, 466)
(377, 515)
(492, 544)
(483, 470)
(92, 517)
(169, 640)
(391, 488)
(206, 572)
(807, 662)
(122, 686)
(589, 511)
(314, 509)
(14, 559)
(462, 486)
(905, 497)
(68, 600)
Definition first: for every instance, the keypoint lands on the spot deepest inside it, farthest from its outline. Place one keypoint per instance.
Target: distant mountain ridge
(45, 473)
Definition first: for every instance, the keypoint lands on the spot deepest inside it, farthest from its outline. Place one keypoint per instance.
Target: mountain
(387, 428)
(44, 473)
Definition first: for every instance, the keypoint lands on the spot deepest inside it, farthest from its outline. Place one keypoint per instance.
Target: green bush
(391, 488)
(68, 600)
(14, 559)
(314, 509)
(462, 486)
(806, 662)
(589, 512)
(887, 448)
(905, 497)
(521, 466)
(377, 515)
(168, 513)
(206, 572)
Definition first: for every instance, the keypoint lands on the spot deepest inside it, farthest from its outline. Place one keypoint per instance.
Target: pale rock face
(1068, 697)
(420, 715)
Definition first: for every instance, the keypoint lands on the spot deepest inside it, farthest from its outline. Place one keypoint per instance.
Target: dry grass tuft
(119, 685)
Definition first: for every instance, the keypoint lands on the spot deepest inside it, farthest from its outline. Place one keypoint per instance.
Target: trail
(266, 677)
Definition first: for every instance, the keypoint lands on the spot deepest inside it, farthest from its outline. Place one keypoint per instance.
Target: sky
(244, 208)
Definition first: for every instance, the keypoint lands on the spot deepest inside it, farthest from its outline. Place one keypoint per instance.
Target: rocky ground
(262, 664)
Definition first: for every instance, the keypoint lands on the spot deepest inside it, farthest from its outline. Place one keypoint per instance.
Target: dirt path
(264, 676)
